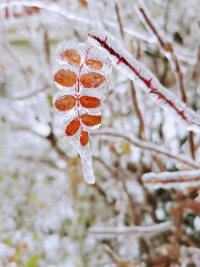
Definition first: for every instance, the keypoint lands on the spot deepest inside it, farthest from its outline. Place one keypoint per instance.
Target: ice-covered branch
(152, 148)
(168, 50)
(52, 6)
(130, 230)
(47, 5)
(177, 179)
(133, 69)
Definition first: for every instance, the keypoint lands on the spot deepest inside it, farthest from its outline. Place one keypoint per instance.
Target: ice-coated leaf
(92, 79)
(90, 102)
(65, 77)
(94, 64)
(72, 127)
(84, 138)
(65, 103)
(91, 120)
(71, 56)
(81, 67)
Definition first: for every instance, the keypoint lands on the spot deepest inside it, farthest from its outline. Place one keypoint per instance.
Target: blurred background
(144, 208)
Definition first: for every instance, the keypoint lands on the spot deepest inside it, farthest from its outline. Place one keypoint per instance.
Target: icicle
(81, 73)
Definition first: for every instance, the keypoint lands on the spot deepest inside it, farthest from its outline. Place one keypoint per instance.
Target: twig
(172, 179)
(121, 179)
(169, 49)
(130, 230)
(178, 70)
(119, 21)
(141, 132)
(31, 94)
(153, 148)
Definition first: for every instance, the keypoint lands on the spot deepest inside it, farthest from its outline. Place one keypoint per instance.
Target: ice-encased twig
(133, 69)
(177, 179)
(102, 231)
(152, 148)
(50, 6)
(47, 5)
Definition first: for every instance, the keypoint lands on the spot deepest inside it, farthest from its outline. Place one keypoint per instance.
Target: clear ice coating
(144, 79)
(81, 73)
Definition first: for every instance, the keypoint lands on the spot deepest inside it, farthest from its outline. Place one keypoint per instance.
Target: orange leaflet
(84, 3)
(71, 56)
(92, 79)
(94, 64)
(90, 101)
(65, 103)
(91, 120)
(72, 127)
(65, 77)
(84, 138)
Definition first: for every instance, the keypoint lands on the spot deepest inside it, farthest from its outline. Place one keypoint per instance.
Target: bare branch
(152, 148)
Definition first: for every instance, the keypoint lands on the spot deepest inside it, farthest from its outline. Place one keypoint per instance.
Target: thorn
(182, 113)
(119, 61)
(148, 82)
(105, 40)
(153, 90)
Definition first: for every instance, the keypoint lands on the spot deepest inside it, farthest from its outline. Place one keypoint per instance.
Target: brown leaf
(71, 56)
(94, 64)
(72, 127)
(92, 80)
(65, 103)
(91, 120)
(90, 102)
(65, 77)
(84, 138)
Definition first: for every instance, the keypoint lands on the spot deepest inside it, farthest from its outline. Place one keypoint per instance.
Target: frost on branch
(136, 71)
(82, 76)
(178, 180)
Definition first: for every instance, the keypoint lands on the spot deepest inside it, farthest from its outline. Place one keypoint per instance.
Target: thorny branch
(132, 68)
(168, 48)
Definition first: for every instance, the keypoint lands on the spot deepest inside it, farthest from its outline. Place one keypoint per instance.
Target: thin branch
(130, 230)
(177, 179)
(31, 94)
(167, 48)
(174, 61)
(153, 148)
(141, 132)
(120, 178)
(119, 20)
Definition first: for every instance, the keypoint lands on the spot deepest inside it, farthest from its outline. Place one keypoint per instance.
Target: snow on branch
(136, 71)
(178, 180)
(109, 231)
(152, 148)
